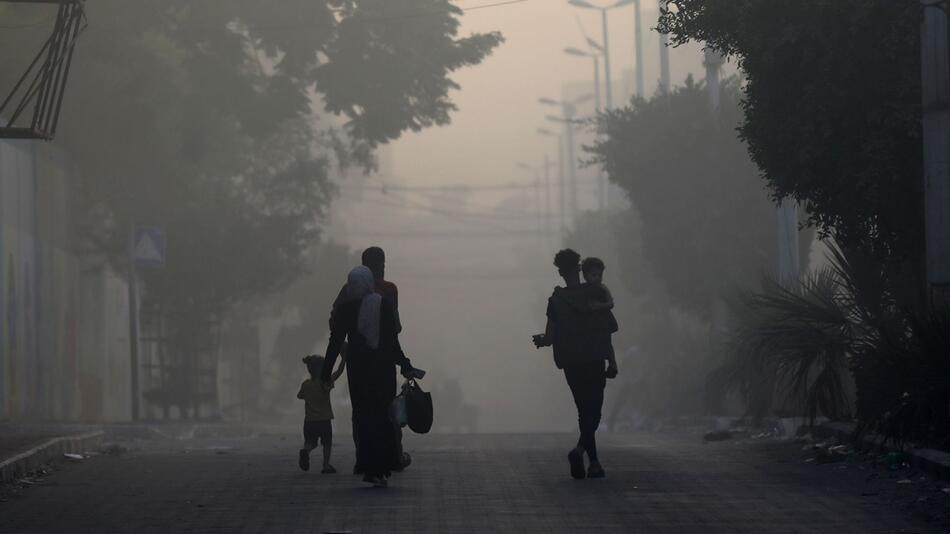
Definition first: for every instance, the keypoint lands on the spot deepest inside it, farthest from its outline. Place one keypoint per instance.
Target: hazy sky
(474, 271)
(498, 111)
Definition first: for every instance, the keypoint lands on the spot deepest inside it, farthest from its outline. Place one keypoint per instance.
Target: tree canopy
(832, 109)
(222, 122)
(218, 120)
(708, 225)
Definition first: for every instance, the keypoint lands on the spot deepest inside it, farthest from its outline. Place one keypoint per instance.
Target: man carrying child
(579, 326)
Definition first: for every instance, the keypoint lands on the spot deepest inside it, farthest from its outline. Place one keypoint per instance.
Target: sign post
(146, 249)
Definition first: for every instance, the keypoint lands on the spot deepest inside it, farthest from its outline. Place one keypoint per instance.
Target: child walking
(593, 270)
(316, 426)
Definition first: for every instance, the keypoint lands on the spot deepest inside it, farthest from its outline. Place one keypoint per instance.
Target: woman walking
(370, 324)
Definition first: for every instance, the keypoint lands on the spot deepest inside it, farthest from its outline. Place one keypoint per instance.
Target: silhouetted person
(581, 341)
(317, 425)
(368, 321)
(593, 271)
(375, 259)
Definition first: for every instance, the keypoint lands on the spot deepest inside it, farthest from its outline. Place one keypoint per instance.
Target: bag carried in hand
(418, 407)
(398, 412)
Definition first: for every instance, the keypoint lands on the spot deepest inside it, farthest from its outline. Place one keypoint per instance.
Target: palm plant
(800, 342)
(898, 358)
(794, 341)
(903, 384)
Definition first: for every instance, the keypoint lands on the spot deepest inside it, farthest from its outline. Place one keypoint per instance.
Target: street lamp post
(567, 118)
(596, 57)
(610, 90)
(638, 45)
(595, 53)
(542, 175)
(538, 193)
(603, 15)
(562, 208)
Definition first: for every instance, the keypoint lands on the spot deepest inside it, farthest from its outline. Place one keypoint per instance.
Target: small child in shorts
(593, 270)
(319, 412)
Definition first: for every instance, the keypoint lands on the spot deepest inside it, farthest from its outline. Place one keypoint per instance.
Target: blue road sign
(148, 246)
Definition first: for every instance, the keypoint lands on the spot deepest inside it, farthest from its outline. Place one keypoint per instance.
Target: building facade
(63, 318)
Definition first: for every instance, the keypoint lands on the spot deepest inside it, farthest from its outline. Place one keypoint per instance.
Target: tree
(832, 113)
(833, 117)
(708, 226)
(202, 117)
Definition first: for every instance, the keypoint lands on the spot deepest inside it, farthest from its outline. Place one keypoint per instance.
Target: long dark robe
(372, 374)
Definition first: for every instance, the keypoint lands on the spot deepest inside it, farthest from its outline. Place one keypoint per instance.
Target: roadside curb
(931, 461)
(35, 457)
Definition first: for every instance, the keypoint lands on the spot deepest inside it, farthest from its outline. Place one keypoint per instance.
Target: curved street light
(584, 4)
(571, 51)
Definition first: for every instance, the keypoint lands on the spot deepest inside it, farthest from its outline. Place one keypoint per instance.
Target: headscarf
(361, 284)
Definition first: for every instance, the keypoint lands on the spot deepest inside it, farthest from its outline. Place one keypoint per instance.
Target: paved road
(458, 483)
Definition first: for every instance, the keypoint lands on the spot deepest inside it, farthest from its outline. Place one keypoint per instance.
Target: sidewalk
(932, 461)
(26, 447)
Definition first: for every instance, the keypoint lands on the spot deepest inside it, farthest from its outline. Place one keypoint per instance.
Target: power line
(487, 216)
(474, 217)
(437, 196)
(447, 234)
(469, 188)
(496, 4)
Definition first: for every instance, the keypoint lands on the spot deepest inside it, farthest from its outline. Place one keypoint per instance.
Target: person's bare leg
(304, 456)
(327, 442)
(327, 448)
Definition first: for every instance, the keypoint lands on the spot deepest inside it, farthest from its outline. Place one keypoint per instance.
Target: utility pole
(935, 78)
(597, 107)
(664, 54)
(569, 112)
(560, 173)
(712, 60)
(539, 199)
(638, 45)
(547, 197)
(595, 53)
(561, 178)
(609, 89)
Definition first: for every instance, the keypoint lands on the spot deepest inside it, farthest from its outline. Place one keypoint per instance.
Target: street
(466, 483)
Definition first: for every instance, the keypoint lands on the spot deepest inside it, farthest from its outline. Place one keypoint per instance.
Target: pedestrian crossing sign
(148, 246)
